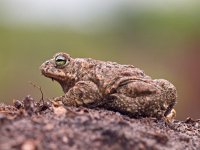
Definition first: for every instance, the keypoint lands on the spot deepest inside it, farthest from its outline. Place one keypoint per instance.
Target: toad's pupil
(60, 60)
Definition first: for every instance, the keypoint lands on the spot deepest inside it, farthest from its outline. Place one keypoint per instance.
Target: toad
(122, 88)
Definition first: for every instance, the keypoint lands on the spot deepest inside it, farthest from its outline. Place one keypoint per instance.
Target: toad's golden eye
(60, 60)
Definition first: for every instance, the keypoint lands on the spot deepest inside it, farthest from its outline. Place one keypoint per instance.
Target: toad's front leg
(83, 93)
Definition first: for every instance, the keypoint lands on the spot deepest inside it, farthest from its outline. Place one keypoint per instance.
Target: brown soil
(30, 125)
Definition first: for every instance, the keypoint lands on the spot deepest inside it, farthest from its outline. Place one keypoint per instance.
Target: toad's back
(106, 73)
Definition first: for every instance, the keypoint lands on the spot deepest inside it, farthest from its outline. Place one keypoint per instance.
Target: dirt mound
(30, 125)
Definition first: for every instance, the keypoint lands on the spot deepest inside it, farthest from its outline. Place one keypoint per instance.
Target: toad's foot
(171, 116)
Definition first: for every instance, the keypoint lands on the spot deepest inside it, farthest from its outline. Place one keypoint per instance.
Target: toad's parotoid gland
(109, 85)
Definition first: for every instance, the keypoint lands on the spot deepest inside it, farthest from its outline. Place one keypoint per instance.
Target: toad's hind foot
(171, 116)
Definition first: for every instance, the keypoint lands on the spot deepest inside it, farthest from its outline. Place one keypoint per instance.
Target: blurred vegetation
(156, 41)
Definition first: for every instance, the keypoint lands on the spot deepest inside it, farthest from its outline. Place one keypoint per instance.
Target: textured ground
(29, 125)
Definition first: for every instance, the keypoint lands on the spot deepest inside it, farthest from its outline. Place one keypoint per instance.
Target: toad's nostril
(47, 62)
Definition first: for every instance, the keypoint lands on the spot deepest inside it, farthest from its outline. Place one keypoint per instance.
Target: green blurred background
(160, 37)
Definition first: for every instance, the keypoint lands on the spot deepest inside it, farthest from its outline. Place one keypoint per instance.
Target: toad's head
(58, 68)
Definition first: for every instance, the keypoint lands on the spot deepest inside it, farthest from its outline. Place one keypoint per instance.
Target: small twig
(38, 87)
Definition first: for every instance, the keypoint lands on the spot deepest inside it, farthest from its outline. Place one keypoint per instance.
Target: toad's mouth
(54, 74)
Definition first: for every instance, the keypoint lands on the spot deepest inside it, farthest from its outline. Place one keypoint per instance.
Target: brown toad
(123, 88)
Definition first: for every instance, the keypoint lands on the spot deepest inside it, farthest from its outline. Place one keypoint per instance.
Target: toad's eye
(60, 61)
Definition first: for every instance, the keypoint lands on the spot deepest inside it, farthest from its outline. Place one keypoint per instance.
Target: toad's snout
(44, 68)
(44, 65)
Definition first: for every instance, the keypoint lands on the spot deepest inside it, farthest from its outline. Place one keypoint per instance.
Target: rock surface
(30, 125)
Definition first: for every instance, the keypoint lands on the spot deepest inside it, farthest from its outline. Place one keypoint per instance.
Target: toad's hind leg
(140, 99)
(136, 107)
